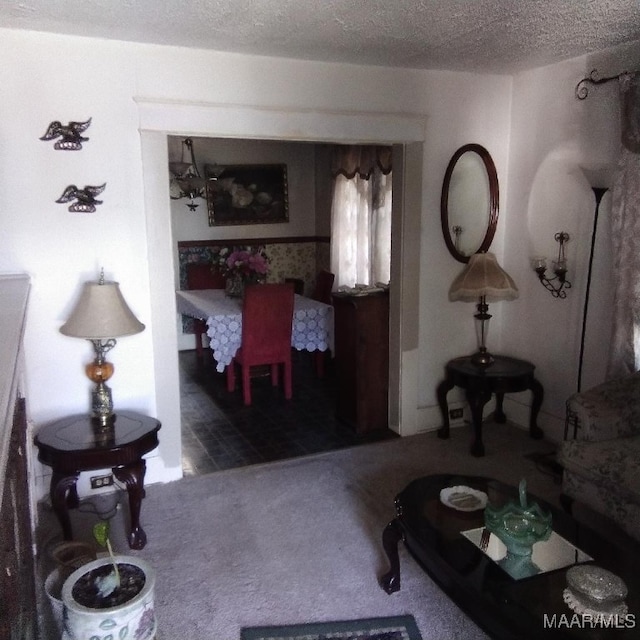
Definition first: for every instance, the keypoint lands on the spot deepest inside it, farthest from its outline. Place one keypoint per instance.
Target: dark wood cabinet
(17, 576)
(362, 360)
(17, 620)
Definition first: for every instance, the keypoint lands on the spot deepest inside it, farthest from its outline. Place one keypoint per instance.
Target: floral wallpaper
(292, 260)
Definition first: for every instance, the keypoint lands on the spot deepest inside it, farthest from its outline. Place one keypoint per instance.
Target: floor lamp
(598, 193)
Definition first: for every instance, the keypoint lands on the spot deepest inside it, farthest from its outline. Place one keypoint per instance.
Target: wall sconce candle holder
(558, 284)
(457, 232)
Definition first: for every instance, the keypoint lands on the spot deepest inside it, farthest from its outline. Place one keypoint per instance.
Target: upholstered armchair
(602, 462)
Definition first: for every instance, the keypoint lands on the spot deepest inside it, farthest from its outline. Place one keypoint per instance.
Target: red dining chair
(322, 293)
(298, 285)
(324, 284)
(267, 318)
(201, 275)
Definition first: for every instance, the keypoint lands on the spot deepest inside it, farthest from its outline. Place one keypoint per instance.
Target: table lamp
(101, 315)
(483, 280)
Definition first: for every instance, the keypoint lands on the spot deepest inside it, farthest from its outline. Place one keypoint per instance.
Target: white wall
(60, 250)
(476, 110)
(139, 94)
(553, 137)
(62, 79)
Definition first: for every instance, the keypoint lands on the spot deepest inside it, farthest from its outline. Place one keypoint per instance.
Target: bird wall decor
(69, 134)
(85, 198)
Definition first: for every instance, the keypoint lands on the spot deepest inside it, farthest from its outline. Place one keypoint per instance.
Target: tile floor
(219, 432)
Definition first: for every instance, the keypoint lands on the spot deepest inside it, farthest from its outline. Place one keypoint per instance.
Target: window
(361, 215)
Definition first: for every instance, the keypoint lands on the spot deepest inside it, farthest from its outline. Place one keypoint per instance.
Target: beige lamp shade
(100, 313)
(483, 277)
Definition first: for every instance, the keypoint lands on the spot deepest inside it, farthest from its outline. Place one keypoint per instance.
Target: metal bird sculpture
(70, 135)
(85, 198)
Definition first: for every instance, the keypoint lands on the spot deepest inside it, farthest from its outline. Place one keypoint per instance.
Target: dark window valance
(349, 160)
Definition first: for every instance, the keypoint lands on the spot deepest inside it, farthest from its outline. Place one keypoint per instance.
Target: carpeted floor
(299, 540)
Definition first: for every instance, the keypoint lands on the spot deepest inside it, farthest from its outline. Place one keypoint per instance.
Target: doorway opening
(160, 120)
(218, 431)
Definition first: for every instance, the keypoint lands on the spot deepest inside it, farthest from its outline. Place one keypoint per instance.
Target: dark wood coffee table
(503, 607)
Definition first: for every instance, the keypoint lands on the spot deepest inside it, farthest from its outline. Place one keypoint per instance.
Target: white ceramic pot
(132, 619)
(53, 589)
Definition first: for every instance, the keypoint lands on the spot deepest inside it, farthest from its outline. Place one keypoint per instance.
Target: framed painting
(247, 194)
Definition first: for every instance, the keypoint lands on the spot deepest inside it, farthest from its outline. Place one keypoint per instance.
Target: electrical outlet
(101, 481)
(456, 414)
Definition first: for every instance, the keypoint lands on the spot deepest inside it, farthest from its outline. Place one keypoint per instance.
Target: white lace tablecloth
(312, 328)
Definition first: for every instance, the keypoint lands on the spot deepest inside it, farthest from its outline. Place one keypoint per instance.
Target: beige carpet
(300, 540)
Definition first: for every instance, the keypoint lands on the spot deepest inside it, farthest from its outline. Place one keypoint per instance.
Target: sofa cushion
(612, 464)
(610, 410)
(624, 512)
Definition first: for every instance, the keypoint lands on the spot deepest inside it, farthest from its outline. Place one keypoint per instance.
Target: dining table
(312, 323)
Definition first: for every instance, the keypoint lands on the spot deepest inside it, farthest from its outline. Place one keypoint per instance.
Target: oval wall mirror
(469, 202)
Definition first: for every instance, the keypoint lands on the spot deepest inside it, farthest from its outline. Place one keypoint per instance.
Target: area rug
(390, 628)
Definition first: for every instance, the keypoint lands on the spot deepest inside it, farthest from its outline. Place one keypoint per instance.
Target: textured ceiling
(498, 36)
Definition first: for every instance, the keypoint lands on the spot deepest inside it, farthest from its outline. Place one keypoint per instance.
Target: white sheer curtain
(625, 232)
(361, 218)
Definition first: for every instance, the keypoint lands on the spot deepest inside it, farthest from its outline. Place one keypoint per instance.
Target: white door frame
(159, 120)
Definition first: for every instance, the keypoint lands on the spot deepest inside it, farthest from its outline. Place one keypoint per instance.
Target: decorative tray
(462, 498)
(548, 555)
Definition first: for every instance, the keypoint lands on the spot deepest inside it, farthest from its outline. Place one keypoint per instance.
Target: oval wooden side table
(504, 375)
(79, 443)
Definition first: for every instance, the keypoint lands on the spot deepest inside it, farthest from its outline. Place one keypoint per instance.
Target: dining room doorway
(159, 120)
(218, 432)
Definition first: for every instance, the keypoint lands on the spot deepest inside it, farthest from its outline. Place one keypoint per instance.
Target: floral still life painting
(247, 194)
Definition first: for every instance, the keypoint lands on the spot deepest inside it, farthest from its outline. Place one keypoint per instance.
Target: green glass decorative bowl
(519, 526)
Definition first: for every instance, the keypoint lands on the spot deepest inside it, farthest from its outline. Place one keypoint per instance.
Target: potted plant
(68, 556)
(112, 596)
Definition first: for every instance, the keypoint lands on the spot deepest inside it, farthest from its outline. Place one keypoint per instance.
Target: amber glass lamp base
(101, 400)
(99, 371)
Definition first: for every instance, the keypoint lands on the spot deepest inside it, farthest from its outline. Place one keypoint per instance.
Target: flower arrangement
(241, 267)
(250, 265)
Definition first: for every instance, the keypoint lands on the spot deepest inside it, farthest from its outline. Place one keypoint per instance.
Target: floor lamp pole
(599, 193)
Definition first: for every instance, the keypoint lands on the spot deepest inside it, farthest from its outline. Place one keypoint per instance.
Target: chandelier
(186, 181)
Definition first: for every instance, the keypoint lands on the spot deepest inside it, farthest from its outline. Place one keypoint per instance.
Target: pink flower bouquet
(242, 267)
(247, 264)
